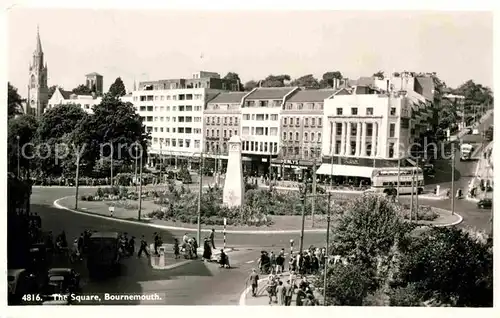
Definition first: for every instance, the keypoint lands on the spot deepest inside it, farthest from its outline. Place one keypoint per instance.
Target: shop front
(291, 169)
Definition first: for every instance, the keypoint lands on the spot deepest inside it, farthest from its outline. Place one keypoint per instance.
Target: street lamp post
(303, 201)
(18, 156)
(77, 174)
(135, 174)
(112, 153)
(328, 219)
(313, 202)
(140, 189)
(200, 192)
(161, 163)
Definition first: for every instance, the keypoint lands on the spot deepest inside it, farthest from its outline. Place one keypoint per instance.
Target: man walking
(144, 244)
(288, 291)
(254, 281)
(212, 238)
(280, 293)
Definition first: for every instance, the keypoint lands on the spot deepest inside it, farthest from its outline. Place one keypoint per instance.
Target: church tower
(38, 92)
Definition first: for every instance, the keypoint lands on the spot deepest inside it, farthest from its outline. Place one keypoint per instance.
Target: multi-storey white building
(172, 111)
(366, 127)
(260, 126)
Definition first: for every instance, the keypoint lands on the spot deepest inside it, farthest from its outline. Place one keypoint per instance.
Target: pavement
(484, 171)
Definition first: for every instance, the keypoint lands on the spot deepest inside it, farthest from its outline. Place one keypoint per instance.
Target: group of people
(283, 291)
(305, 263)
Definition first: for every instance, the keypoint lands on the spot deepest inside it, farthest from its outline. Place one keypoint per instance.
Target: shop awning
(345, 170)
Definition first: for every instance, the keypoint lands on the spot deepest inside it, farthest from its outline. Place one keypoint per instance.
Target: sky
(162, 44)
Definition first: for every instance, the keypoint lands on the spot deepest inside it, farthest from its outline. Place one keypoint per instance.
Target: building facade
(260, 127)
(366, 128)
(38, 91)
(62, 97)
(172, 111)
(94, 82)
(301, 122)
(222, 120)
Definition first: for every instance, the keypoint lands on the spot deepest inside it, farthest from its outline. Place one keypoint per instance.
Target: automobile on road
(485, 204)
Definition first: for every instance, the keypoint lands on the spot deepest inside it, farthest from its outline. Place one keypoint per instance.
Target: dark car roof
(59, 271)
(105, 235)
(486, 200)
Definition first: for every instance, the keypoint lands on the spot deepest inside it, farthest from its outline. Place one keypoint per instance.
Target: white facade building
(260, 121)
(61, 97)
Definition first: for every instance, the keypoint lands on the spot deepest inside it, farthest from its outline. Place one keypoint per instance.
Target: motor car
(20, 282)
(62, 281)
(485, 204)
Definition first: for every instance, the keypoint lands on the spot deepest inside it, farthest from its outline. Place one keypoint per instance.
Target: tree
(25, 128)
(449, 266)
(379, 74)
(368, 227)
(275, 80)
(475, 95)
(250, 85)
(14, 101)
(346, 285)
(52, 89)
(327, 79)
(235, 78)
(56, 132)
(82, 90)
(306, 81)
(117, 123)
(117, 88)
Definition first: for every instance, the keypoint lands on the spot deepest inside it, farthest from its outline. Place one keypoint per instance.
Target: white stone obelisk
(234, 187)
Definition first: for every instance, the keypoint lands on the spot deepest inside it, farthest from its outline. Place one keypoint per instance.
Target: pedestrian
(254, 282)
(156, 241)
(280, 293)
(280, 260)
(176, 249)
(272, 259)
(301, 295)
(207, 251)
(288, 290)
(143, 247)
(212, 238)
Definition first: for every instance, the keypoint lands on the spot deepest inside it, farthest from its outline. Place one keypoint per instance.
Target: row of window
(178, 119)
(338, 145)
(172, 142)
(216, 133)
(314, 137)
(259, 131)
(227, 120)
(177, 130)
(273, 117)
(369, 129)
(314, 152)
(304, 106)
(260, 146)
(369, 111)
(180, 108)
(313, 121)
(215, 148)
(148, 98)
(263, 103)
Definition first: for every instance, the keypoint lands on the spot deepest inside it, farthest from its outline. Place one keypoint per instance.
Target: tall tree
(234, 77)
(21, 131)
(328, 77)
(52, 89)
(275, 80)
(82, 90)
(14, 101)
(117, 88)
(250, 85)
(307, 81)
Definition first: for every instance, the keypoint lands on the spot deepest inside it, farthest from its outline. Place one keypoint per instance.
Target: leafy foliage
(328, 77)
(234, 77)
(379, 74)
(14, 101)
(52, 89)
(250, 85)
(306, 81)
(24, 127)
(450, 266)
(275, 80)
(82, 90)
(117, 88)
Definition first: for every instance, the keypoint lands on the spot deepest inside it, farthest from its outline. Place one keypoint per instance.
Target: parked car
(20, 282)
(485, 204)
(63, 281)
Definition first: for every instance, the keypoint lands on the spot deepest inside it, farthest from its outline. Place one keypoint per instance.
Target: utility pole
(416, 194)
(140, 189)
(76, 179)
(112, 153)
(200, 192)
(399, 172)
(313, 202)
(18, 157)
(303, 201)
(412, 190)
(327, 245)
(161, 164)
(452, 194)
(135, 175)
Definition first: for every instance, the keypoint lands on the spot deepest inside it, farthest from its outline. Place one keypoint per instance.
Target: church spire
(38, 41)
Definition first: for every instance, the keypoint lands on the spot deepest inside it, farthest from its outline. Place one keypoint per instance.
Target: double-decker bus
(386, 180)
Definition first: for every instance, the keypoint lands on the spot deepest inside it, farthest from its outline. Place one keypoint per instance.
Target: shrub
(99, 192)
(424, 213)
